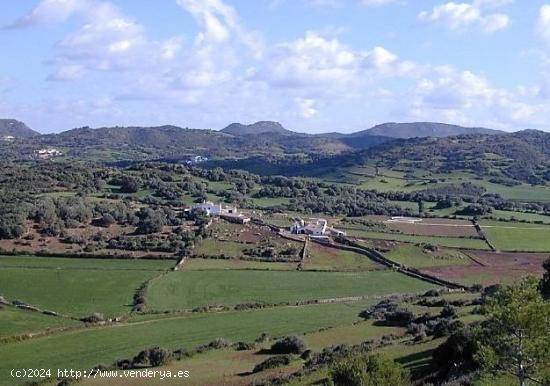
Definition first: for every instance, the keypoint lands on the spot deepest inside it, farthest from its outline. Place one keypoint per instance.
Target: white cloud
(311, 61)
(52, 11)
(106, 40)
(306, 107)
(220, 22)
(463, 16)
(543, 23)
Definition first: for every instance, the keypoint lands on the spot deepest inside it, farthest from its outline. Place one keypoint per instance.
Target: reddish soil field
(492, 267)
(255, 234)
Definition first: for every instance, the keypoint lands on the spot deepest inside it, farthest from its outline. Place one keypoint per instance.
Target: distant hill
(422, 129)
(261, 127)
(16, 129)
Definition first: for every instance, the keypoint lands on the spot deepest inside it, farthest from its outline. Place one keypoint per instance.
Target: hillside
(422, 129)
(16, 129)
(261, 127)
(521, 156)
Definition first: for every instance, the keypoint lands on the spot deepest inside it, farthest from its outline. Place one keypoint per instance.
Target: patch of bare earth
(493, 267)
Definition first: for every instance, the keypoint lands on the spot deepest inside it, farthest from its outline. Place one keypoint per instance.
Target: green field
(521, 216)
(197, 264)
(185, 290)
(85, 348)
(413, 256)
(15, 321)
(454, 242)
(211, 247)
(76, 287)
(507, 236)
(331, 259)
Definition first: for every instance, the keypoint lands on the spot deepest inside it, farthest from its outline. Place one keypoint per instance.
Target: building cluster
(316, 228)
(48, 153)
(196, 160)
(228, 213)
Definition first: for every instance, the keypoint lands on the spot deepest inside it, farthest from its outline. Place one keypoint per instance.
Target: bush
(368, 370)
(155, 357)
(289, 345)
(273, 362)
(263, 337)
(244, 346)
(449, 312)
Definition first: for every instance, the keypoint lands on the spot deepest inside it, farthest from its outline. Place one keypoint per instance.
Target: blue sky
(313, 65)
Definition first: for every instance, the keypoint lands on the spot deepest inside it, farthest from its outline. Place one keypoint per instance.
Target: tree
(150, 221)
(544, 285)
(368, 370)
(516, 337)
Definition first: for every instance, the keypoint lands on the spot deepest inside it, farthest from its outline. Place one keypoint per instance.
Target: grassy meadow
(187, 290)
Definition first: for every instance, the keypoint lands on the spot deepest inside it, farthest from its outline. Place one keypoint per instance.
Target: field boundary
(412, 272)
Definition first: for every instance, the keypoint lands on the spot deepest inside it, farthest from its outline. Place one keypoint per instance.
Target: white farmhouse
(315, 228)
(217, 210)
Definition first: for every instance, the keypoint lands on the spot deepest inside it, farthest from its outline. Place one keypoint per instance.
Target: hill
(507, 157)
(261, 127)
(16, 129)
(422, 129)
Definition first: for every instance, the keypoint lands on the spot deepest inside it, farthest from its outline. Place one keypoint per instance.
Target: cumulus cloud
(463, 16)
(543, 23)
(306, 107)
(219, 23)
(107, 39)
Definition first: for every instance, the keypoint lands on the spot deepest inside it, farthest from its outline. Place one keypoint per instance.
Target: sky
(313, 65)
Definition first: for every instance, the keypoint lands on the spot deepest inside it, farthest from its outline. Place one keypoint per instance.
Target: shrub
(368, 370)
(244, 346)
(155, 356)
(263, 337)
(273, 362)
(289, 345)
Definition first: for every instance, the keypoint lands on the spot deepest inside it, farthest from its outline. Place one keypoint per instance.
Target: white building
(316, 228)
(228, 213)
(48, 153)
(209, 208)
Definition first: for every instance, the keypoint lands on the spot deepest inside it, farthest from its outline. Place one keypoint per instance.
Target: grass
(266, 202)
(85, 348)
(454, 242)
(414, 256)
(14, 321)
(517, 236)
(67, 263)
(184, 290)
(521, 216)
(351, 334)
(232, 367)
(211, 247)
(235, 264)
(322, 258)
(76, 287)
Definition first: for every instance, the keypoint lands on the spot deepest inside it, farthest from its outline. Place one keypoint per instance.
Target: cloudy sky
(314, 65)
